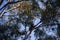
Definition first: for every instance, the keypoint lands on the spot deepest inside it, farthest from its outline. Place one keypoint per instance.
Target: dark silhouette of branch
(9, 3)
(31, 29)
(8, 10)
(1, 2)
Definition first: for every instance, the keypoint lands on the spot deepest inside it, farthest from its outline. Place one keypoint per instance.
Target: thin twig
(9, 3)
(32, 30)
(9, 10)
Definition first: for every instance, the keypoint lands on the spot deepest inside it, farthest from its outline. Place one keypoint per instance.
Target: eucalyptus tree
(19, 16)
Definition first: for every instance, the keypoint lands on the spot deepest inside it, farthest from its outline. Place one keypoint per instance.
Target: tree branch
(9, 3)
(32, 30)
